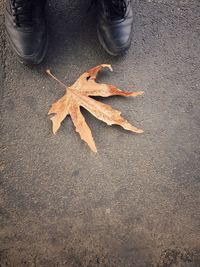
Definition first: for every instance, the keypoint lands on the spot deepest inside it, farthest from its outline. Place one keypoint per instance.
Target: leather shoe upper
(26, 29)
(115, 22)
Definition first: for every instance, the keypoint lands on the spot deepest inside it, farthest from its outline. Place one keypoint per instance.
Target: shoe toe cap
(121, 42)
(116, 39)
(27, 45)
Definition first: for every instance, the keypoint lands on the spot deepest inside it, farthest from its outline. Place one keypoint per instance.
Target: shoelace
(116, 9)
(22, 12)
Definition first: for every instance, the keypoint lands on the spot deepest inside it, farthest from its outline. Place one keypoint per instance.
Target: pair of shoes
(27, 32)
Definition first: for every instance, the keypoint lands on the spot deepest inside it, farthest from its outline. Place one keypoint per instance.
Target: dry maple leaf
(77, 96)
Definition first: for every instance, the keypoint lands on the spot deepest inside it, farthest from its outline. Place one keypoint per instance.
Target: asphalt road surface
(137, 201)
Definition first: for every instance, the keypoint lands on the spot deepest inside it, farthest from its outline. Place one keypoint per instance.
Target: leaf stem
(49, 73)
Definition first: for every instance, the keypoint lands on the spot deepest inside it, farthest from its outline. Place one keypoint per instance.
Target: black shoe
(115, 22)
(26, 29)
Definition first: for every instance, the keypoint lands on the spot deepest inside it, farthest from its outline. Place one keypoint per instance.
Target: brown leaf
(78, 95)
